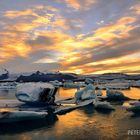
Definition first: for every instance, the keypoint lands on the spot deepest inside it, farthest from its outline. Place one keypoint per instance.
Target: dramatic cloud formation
(82, 36)
(80, 4)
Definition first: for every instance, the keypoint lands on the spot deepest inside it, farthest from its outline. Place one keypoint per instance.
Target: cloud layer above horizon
(80, 36)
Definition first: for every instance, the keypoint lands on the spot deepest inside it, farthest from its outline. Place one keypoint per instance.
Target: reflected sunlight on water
(66, 92)
(83, 123)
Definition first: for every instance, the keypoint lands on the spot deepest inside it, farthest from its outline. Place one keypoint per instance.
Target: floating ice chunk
(73, 85)
(121, 86)
(135, 83)
(115, 95)
(103, 105)
(88, 81)
(56, 83)
(70, 100)
(16, 116)
(89, 94)
(36, 92)
(65, 109)
(8, 85)
(134, 107)
(86, 93)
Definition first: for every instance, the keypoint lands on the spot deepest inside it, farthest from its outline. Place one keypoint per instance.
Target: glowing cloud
(80, 4)
(83, 36)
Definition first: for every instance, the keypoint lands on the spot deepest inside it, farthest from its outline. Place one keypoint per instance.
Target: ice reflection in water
(84, 123)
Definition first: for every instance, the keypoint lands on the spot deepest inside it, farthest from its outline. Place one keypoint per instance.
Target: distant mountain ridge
(51, 76)
(112, 76)
(38, 76)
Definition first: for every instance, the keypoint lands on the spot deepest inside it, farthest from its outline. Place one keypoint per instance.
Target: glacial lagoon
(80, 124)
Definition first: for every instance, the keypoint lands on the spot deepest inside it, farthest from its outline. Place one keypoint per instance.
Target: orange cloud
(136, 9)
(113, 65)
(14, 49)
(60, 23)
(78, 4)
(22, 27)
(119, 29)
(12, 45)
(15, 14)
(38, 20)
(68, 46)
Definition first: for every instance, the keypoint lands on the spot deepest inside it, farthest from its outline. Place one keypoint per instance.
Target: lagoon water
(80, 124)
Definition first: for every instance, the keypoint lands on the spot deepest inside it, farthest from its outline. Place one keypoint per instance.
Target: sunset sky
(80, 36)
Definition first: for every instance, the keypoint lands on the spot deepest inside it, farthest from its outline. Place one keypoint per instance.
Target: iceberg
(103, 105)
(71, 84)
(56, 83)
(8, 85)
(86, 93)
(118, 86)
(134, 107)
(16, 116)
(115, 95)
(135, 83)
(36, 93)
(65, 109)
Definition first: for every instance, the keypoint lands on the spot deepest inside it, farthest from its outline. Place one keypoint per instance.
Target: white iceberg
(86, 93)
(56, 83)
(36, 93)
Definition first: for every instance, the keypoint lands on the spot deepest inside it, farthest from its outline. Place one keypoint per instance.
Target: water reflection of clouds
(84, 122)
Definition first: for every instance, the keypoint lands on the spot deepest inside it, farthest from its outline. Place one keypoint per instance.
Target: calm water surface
(81, 124)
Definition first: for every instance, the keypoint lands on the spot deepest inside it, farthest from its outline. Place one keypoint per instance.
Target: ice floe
(115, 95)
(103, 105)
(86, 93)
(15, 116)
(8, 85)
(36, 93)
(134, 107)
